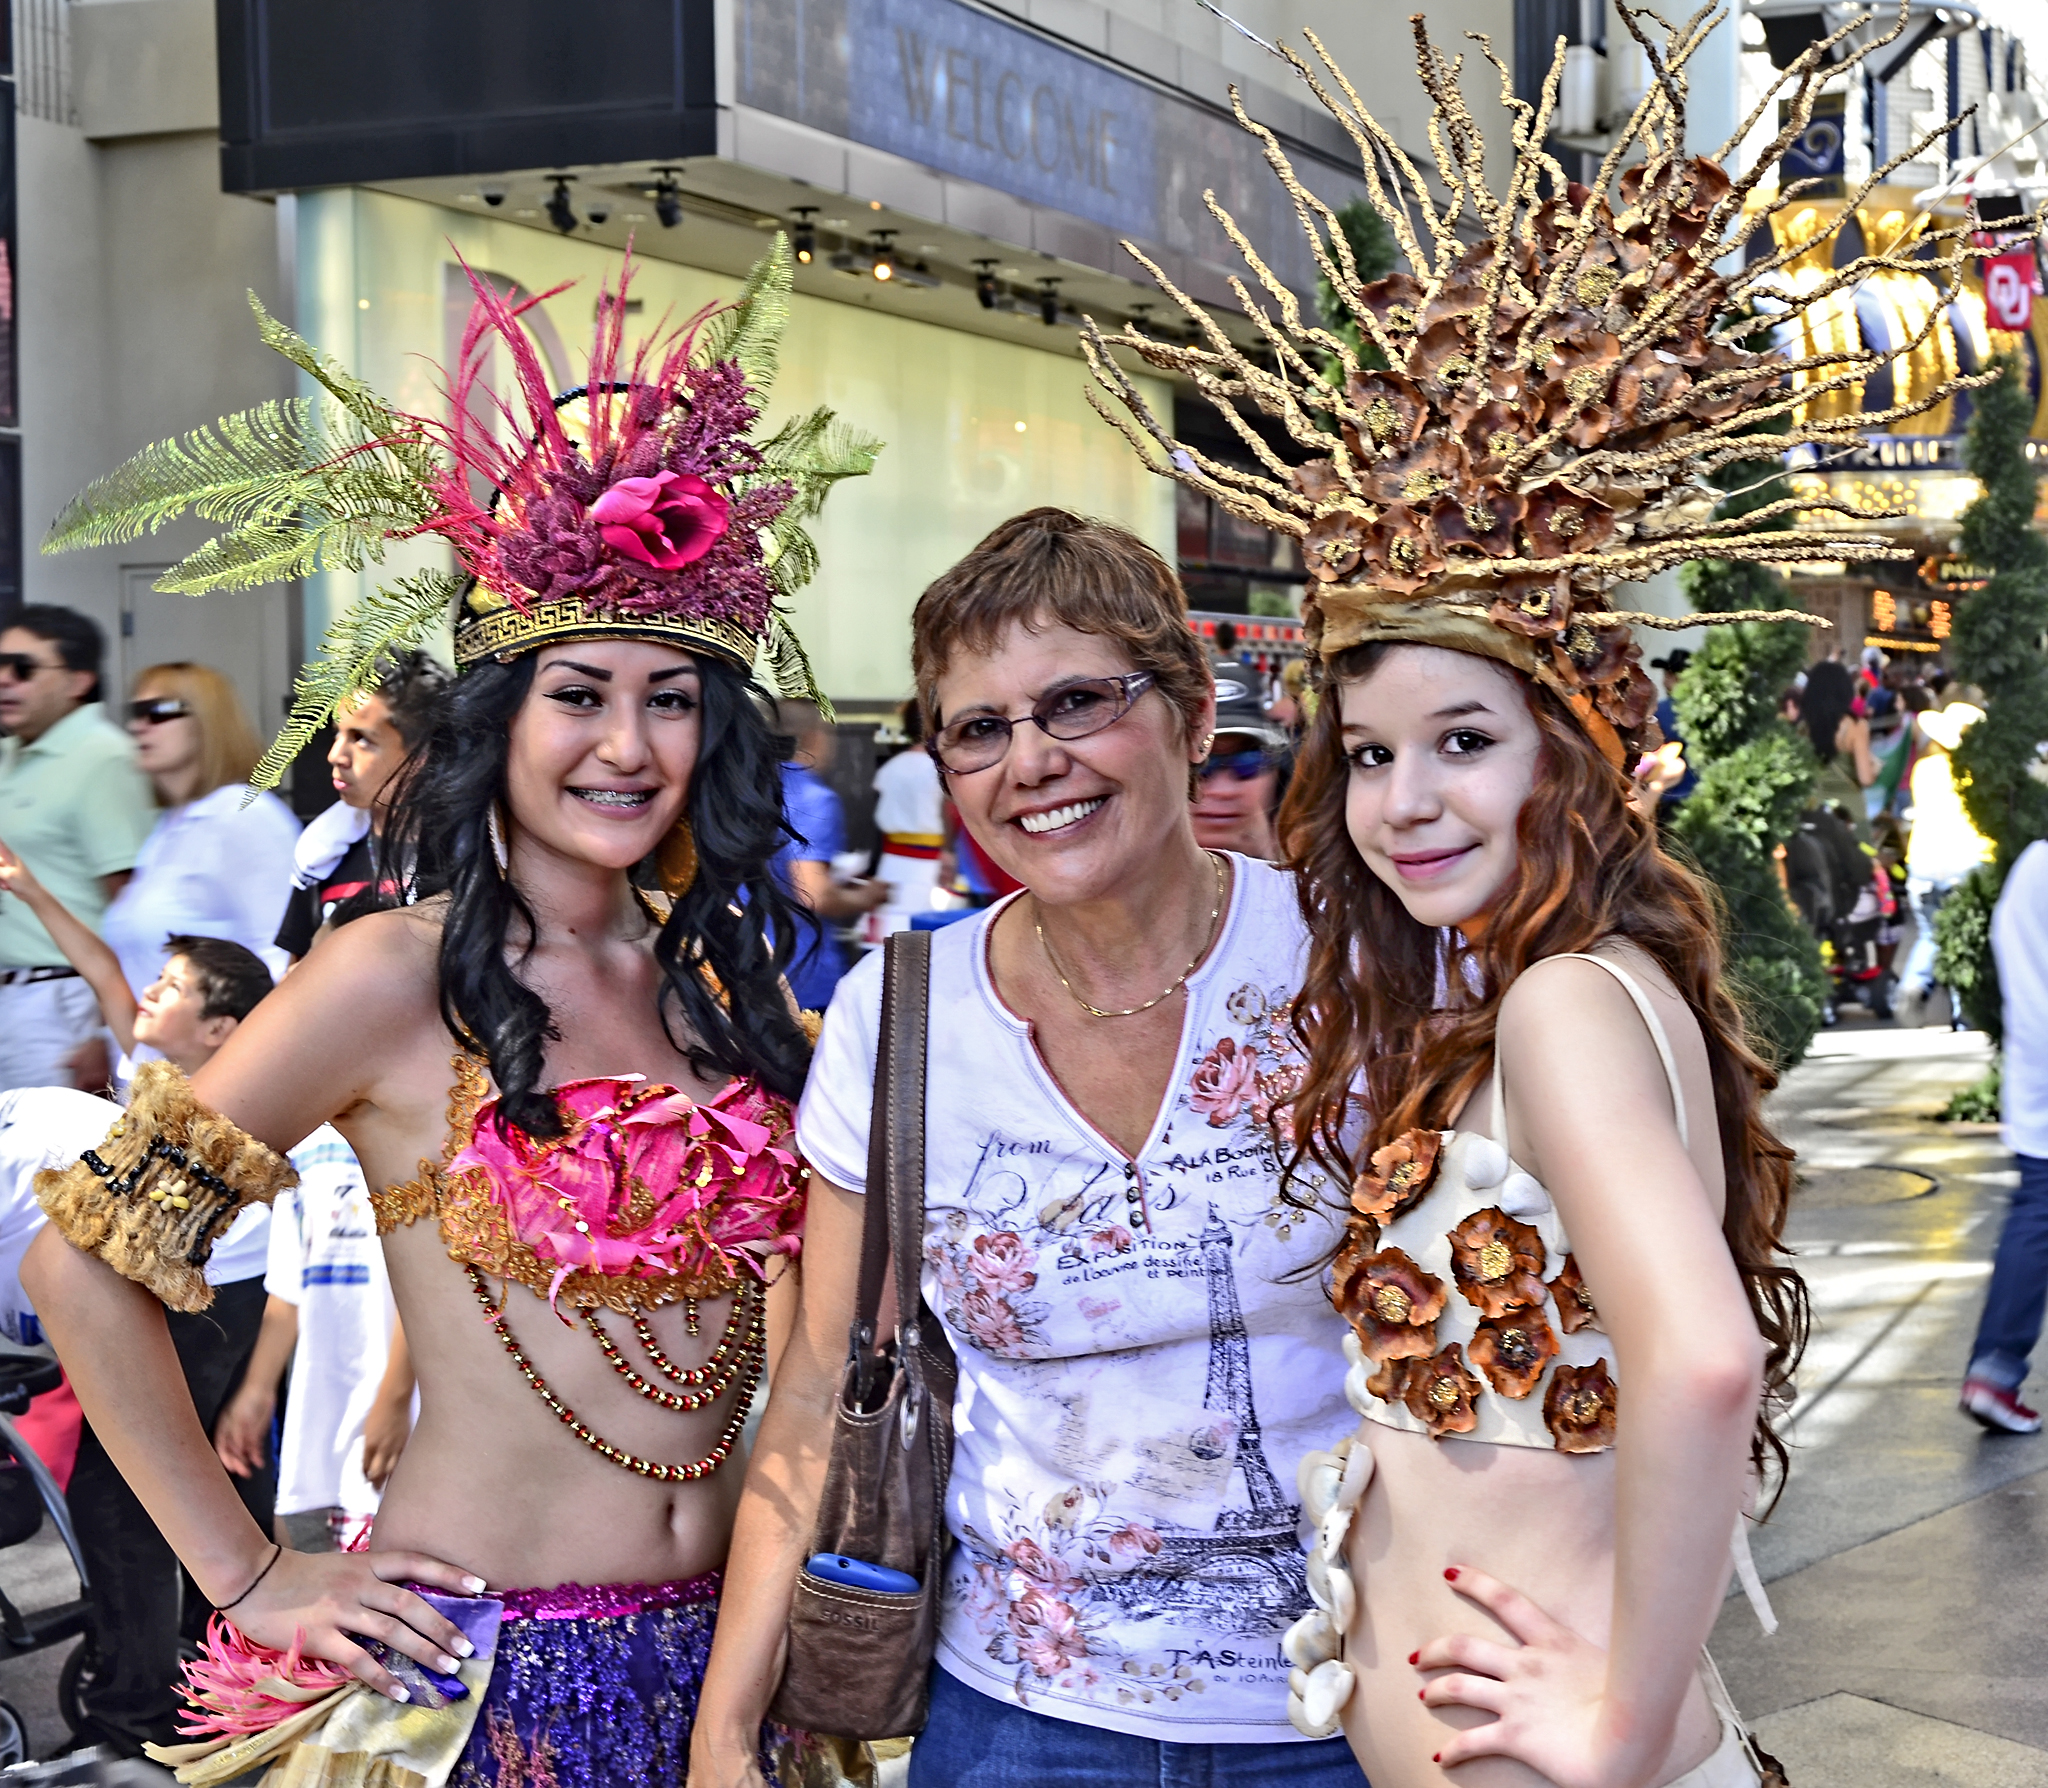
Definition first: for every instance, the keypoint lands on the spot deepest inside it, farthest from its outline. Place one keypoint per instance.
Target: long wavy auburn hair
(1385, 1016)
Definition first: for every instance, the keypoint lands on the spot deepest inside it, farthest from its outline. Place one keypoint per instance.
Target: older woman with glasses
(217, 863)
(1140, 1327)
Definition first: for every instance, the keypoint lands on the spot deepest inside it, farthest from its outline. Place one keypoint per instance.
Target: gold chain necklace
(752, 1349)
(1180, 980)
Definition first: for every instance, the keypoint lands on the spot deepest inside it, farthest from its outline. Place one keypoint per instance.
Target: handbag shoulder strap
(875, 1232)
(892, 1229)
(910, 962)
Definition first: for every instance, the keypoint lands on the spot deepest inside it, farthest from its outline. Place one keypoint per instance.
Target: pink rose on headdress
(667, 521)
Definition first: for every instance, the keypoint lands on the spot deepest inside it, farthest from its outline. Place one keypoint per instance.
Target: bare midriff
(1541, 1521)
(493, 1481)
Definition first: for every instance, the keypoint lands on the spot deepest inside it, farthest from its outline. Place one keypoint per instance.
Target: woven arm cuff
(153, 1198)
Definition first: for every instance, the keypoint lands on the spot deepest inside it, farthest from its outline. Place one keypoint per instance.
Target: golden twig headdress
(1558, 389)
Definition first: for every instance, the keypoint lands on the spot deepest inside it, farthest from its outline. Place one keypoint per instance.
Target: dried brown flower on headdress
(1560, 387)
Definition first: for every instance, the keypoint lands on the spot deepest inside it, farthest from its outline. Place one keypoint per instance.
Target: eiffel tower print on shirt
(1245, 1575)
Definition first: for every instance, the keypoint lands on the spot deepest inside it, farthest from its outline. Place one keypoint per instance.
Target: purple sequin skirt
(593, 1687)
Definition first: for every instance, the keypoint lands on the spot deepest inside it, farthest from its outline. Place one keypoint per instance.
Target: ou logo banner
(2009, 290)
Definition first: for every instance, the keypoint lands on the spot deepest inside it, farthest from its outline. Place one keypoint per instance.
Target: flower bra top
(647, 1197)
(1467, 1310)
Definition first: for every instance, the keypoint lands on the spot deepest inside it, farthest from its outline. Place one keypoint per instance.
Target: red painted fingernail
(1422, 1694)
(1450, 1576)
(1436, 1756)
(1415, 1657)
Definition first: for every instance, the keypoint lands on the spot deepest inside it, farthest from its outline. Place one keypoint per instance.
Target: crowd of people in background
(149, 899)
(1886, 837)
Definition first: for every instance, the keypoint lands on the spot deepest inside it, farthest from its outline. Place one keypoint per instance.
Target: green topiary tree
(1372, 249)
(1755, 779)
(1997, 645)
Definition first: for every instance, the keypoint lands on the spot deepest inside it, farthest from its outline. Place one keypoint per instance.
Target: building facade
(961, 175)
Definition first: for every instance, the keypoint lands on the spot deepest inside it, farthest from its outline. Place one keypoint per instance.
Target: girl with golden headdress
(1570, 1318)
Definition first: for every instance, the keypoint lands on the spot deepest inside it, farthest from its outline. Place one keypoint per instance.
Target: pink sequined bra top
(648, 1197)
(1468, 1314)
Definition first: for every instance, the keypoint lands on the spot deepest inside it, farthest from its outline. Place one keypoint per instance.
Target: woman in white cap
(1943, 845)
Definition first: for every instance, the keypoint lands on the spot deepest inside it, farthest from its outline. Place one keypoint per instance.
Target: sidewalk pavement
(1907, 1558)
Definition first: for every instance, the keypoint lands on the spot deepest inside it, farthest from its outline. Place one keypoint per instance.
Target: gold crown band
(511, 632)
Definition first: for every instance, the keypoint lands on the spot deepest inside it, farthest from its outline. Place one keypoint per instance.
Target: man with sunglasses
(75, 808)
(1246, 771)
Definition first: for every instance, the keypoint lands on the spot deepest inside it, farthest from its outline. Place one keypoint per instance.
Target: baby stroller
(1846, 897)
(28, 1496)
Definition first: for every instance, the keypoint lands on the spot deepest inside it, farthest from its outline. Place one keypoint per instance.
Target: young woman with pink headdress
(567, 1070)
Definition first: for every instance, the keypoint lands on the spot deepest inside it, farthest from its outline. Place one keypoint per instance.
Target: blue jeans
(973, 1740)
(1926, 899)
(2011, 1323)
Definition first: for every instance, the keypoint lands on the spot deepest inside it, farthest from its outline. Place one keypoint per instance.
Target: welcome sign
(970, 95)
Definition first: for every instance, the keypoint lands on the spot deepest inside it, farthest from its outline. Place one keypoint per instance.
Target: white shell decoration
(1523, 1196)
(1355, 1392)
(1330, 1536)
(1486, 1162)
(1329, 1687)
(1317, 1478)
(1317, 1570)
(1358, 1463)
(1297, 1717)
(1352, 1350)
(1343, 1595)
(1312, 1640)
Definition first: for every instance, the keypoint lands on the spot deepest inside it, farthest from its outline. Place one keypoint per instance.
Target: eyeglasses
(158, 708)
(22, 667)
(1073, 711)
(1244, 765)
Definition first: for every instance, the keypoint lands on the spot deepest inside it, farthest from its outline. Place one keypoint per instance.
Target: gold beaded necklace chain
(741, 1363)
(702, 1385)
(1180, 980)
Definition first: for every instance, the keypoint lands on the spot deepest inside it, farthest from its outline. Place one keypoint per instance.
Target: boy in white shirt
(330, 1316)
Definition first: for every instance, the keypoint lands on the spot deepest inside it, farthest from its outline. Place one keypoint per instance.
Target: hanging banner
(2009, 289)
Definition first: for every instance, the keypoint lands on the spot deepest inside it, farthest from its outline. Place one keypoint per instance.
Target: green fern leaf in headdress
(750, 329)
(394, 618)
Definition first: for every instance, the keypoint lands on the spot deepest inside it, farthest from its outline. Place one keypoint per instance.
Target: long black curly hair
(733, 920)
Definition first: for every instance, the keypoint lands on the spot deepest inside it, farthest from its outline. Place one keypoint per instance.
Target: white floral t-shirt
(1146, 1347)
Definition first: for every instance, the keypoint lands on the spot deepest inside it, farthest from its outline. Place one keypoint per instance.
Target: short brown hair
(228, 746)
(231, 977)
(1050, 567)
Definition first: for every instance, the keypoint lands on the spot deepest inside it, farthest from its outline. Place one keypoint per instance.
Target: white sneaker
(1997, 1407)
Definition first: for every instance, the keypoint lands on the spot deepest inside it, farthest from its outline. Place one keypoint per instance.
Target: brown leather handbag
(860, 1659)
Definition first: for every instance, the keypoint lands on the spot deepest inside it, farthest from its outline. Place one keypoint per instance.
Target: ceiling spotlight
(1048, 302)
(600, 212)
(885, 257)
(668, 198)
(491, 195)
(804, 237)
(560, 212)
(985, 283)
